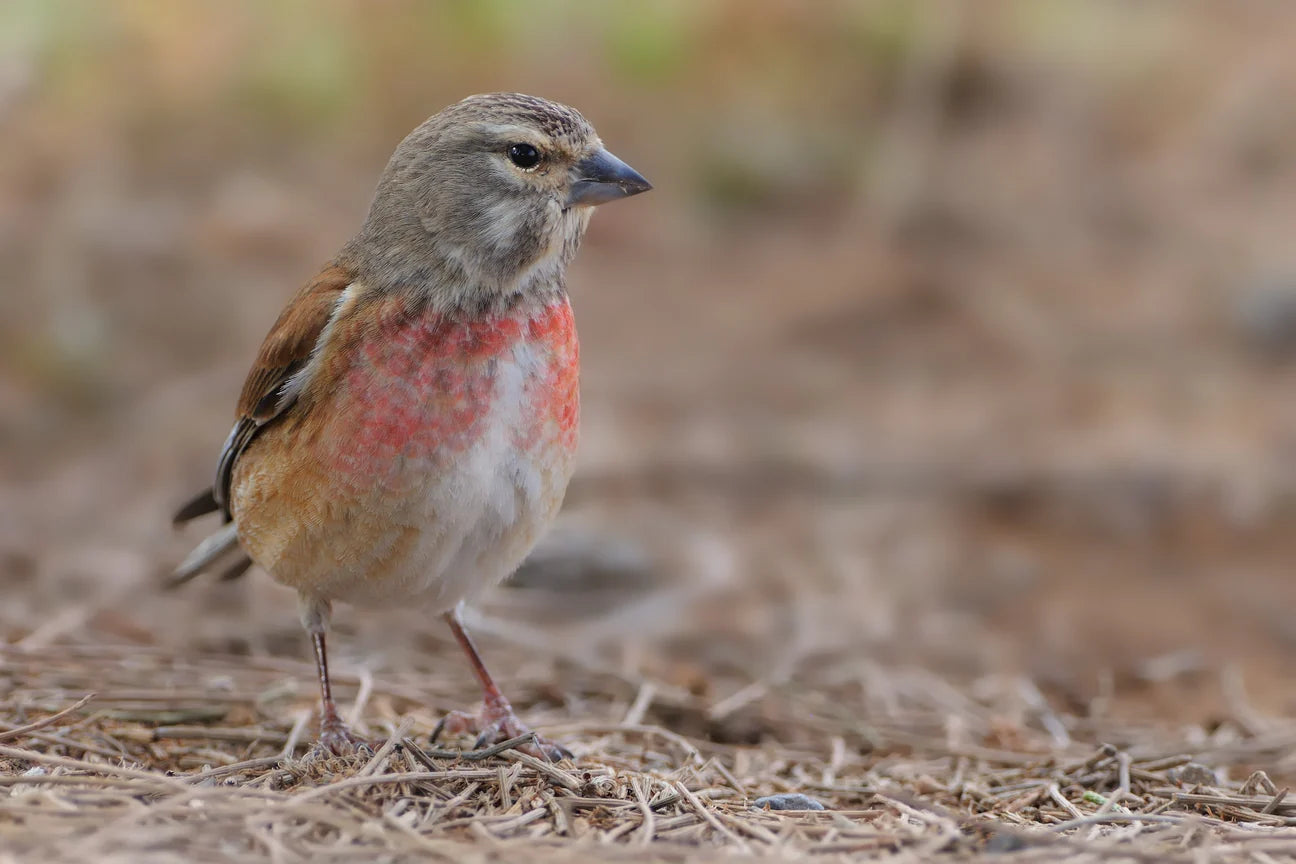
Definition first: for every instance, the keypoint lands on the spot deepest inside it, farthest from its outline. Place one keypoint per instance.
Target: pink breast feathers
(424, 388)
(557, 395)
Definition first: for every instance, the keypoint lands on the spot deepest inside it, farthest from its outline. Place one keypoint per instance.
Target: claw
(342, 743)
(436, 732)
(337, 739)
(494, 726)
(454, 724)
(551, 750)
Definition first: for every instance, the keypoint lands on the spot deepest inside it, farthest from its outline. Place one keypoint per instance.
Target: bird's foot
(497, 723)
(337, 739)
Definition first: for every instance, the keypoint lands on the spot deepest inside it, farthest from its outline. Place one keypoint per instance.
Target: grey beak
(601, 178)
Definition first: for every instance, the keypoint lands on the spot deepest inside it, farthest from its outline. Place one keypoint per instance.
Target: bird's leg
(334, 735)
(497, 721)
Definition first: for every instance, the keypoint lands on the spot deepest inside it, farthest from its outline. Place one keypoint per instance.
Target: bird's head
(489, 199)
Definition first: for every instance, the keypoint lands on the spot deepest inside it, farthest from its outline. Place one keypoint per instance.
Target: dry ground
(936, 455)
(207, 757)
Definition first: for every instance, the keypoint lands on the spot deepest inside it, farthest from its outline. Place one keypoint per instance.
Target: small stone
(1265, 314)
(1002, 843)
(1193, 774)
(787, 801)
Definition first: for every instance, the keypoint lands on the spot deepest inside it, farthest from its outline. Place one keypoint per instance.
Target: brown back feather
(286, 350)
(290, 342)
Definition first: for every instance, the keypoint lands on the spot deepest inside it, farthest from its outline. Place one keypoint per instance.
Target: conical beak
(602, 177)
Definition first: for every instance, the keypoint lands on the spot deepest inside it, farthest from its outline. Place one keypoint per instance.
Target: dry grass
(215, 771)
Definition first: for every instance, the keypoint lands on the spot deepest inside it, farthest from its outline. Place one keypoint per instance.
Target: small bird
(408, 429)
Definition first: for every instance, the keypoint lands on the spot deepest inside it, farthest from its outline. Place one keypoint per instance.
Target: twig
(252, 735)
(710, 817)
(679, 740)
(20, 731)
(557, 775)
(362, 697)
(1062, 802)
(648, 827)
(295, 734)
(427, 755)
(388, 779)
(92, 767)
(1111, 818)
(634, 716)
(1277, 799)
(235, 768)
(384, 751)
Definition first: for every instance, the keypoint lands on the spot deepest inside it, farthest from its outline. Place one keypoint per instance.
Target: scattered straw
(125, 782)
(20, 731)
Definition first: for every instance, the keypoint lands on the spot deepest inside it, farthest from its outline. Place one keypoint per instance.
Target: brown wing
(267, 392)
(290, 342)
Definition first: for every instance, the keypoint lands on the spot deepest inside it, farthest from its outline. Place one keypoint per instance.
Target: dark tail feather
(201, 504)
(211, 550)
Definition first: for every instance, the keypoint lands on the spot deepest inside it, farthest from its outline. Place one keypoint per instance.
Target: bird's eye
(523, 155)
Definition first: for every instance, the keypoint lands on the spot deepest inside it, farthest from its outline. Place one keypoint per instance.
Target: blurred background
(954, 338)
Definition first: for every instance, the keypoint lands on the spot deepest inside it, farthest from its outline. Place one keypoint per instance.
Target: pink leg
(497, 721)
(334, 736)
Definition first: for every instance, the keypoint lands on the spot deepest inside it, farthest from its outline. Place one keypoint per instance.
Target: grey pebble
(1265, 313)
(1192, 774)
(787, 801)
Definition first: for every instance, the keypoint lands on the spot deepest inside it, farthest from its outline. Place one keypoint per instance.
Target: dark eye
(523, 155)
